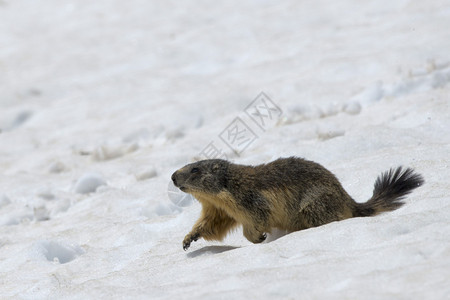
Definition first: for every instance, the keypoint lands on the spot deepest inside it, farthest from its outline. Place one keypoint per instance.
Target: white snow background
(101, 101)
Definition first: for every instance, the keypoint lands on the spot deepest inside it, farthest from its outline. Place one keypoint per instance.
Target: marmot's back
(289, 186)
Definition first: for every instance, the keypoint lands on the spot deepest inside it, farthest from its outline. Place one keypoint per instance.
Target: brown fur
(289, 193)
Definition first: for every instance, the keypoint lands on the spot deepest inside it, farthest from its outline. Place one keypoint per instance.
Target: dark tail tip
(390, 188)
(396, 183)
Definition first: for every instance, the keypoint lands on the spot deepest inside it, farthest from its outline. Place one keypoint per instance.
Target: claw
(189, 239)
(186, 246)
(263, 237)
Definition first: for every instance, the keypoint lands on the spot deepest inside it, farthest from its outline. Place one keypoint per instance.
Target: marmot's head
(208, 176)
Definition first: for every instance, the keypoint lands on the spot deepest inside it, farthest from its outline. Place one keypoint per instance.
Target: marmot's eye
(195, 170)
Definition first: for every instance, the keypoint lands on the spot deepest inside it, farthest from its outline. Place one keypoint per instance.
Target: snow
(56, 251)
(101, 102)
(89, 183)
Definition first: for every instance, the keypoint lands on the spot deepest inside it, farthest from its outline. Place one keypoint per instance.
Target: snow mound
(88, 183)
(146, 174)
(57, 167)
(434, 77)
(46, 194)
(41, 213)
(352, 108)
(108, 152)
(328, 133)
(306, 112)
(16, 216)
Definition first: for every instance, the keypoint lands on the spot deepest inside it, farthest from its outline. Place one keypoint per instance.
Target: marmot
(289, 193)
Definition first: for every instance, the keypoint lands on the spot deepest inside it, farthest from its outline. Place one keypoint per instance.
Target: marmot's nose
(174, 179)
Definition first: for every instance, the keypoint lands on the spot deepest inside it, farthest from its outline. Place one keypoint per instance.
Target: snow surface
(101, 101)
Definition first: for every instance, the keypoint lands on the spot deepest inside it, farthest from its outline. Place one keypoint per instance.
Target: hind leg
(254, 235)
(326, 210)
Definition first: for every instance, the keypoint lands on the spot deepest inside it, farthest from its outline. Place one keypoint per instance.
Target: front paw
(186, 244)
(188, 239)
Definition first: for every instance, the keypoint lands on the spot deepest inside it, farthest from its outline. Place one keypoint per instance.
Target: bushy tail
(390, 188)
